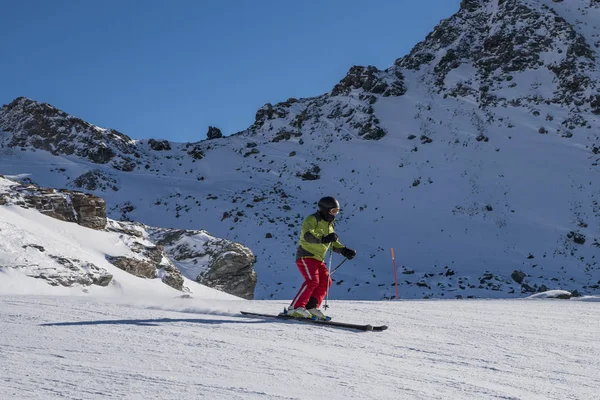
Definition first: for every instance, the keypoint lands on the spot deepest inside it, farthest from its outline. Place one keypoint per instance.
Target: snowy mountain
(475, 157)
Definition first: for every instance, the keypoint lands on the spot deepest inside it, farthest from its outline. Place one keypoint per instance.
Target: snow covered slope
(66, 258)
(93, 348)
(475, 157)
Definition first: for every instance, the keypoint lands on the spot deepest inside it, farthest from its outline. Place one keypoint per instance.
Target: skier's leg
(324, 284)
(308, 267)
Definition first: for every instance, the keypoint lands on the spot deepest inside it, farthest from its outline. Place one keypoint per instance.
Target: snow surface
(157, 347)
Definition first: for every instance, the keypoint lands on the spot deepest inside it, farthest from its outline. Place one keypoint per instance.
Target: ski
(336, 324)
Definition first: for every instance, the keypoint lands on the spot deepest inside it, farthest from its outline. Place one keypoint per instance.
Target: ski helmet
(327, 204)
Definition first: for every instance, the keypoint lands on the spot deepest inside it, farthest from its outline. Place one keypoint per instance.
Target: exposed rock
(141, 268)
(595, 103)
(151, 260)
(470, 5)
(124, 164)
(196, 152)
(232, 272)
(525, 288)
(285, 135)
(44, 127)
(518, 276)
(95, 180)
(216, 263)
(84, 209)
(213, 133)
(497, 41)
(576, 237)
(311, 174)
(66, 272)
(99, 155)
(159, 145)
(171, 276)
(35, 246)
(371, 80)
(268, 112)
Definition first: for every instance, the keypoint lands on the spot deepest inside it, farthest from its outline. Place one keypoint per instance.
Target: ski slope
(160, 347)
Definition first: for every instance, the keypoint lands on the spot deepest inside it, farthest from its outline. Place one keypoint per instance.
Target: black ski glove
(348, 253)
(332, 237)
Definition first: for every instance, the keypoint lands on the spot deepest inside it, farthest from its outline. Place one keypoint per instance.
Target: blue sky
(169, 69)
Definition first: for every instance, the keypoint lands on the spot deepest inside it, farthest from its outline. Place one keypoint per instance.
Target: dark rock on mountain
(217, 263)
(213, 133)
(95, 180)
(82, 208)
(159, 145)
(140, 268)
(231, 271)
(45, 127)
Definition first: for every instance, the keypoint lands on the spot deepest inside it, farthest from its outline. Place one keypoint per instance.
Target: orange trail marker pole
(395, 275)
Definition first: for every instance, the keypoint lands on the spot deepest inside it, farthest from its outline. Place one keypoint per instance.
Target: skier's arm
(337, 246)
(308, 230)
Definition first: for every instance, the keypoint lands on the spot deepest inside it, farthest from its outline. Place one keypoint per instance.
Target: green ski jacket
(314, 228)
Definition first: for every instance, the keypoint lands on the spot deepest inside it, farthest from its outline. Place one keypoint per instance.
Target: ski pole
(395, 277)
(326, 306)
(339, 265)
(331, 273)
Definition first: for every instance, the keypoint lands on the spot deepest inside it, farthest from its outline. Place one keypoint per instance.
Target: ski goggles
(334, 211)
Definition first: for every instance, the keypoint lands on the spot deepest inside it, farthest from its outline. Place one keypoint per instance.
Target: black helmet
(326, 204)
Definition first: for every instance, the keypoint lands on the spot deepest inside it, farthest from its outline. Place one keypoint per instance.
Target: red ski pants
(316, 282)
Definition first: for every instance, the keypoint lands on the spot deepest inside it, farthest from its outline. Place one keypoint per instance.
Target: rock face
(231, 271)
(501, 39)
(141, 268)
(42, 126)
(150, 261)
(95, 180)
(216, 263)
(213, 133)
(84, 209)
(64, 271)
(157, 145)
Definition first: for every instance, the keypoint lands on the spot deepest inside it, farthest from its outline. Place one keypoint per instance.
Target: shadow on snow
(152, 322)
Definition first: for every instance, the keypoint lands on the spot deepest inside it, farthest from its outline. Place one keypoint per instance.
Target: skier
(315, 239)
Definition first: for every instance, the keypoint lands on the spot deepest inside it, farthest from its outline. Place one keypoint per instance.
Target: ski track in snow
(92, 348)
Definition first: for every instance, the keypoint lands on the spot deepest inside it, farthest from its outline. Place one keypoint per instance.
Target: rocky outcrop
(82, 208)
(216, 263)
(150, 261)
(44, 127)
(159, 145)
(501, 41)
(171, 276)
(75, 272)
(371, 80)
(213, 133)
(95, 180)
(35, 261)
(140, 268)
(231, 271)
